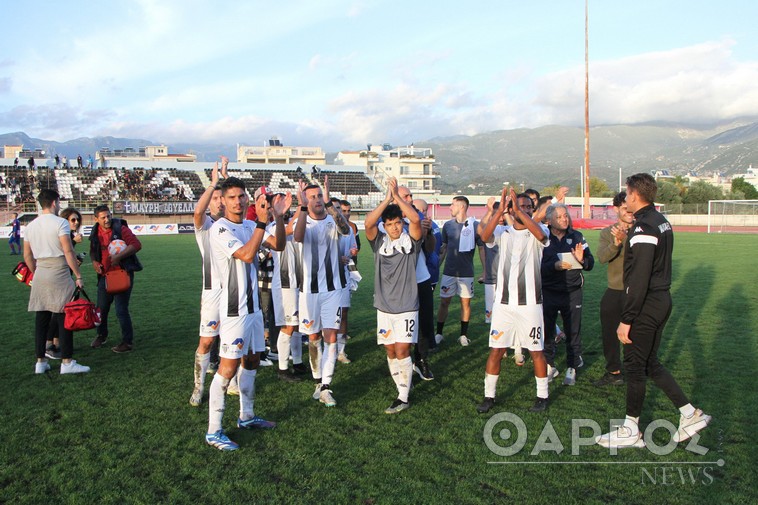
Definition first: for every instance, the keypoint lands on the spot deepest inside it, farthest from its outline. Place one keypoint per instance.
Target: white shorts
(489, 297)
(241, 335)
(396, 328)
(209, 313)
(285, 306)
(319, 311)
(451, 286)
(517, 326)
(346, 296)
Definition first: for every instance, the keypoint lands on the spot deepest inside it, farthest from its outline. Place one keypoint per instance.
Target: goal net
(733, 216)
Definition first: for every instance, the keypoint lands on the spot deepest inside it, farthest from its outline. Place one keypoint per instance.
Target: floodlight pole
(586, 207)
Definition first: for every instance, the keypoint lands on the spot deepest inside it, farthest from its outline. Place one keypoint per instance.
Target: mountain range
(535, 157)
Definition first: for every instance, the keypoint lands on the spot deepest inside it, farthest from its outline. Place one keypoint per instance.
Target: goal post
(733, 216)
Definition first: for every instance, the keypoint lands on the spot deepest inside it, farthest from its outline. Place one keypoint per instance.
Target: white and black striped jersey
(519, 281)
(238, 280)
(322, 270)
(210, 281)
(286, 263)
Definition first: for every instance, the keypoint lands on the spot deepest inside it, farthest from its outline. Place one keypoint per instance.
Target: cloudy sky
(341, 73)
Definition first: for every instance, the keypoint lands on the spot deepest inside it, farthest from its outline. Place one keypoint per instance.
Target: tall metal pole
(586, 209)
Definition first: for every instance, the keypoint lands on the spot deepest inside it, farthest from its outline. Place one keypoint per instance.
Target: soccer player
(611, 252)
(395, 289)
(348, 250)
(15, 237)
(517, 309)
(318, 230)
(647, 306)
(209, 309)
(234, 245)
(458, 246)
(285, 293)
(562, 288)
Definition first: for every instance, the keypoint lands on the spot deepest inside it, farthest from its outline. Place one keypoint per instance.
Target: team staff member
(647, 306)
(49, 254)
(562, 289)
(106, 230)
(611, 252)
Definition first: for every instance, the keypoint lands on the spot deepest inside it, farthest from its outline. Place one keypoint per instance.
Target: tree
(701, 192)
(598, 187)
(668, 193)
(740, 185)
(550, 190)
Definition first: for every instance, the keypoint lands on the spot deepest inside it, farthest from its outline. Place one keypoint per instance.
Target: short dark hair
(543, 200)
(619, 199)
(532, 193)
(336, 200)
(345, 202)
(99, 209)
(393, 211)
(461, 199)
(47, 197)
(231, 182)
(311, 186)
(644, 185)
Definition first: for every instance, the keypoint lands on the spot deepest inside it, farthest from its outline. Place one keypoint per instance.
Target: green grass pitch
(125, 432)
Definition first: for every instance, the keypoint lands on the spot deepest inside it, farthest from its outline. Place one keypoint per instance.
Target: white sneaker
(519, 359)
(688, 426)
(267, 362)
(463, 340)
(570, 379)
(581, 363)
(620, 438)
(552, 373)
(327, 399)
(342, 358)
(439, 338)
(73, 367)
(41, 367)
(317, 392)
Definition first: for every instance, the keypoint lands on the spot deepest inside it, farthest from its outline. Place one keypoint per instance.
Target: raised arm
(205, 199)
(486, 234)
(299, 232)
(372, 218)
(484, 222)
(342, 227)
(279, 206)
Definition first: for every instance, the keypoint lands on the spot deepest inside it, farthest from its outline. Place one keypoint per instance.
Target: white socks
(283, 345)
(328, 360)
(247, 392)
(490, 385)
(542, 391)
(296, 347)
(315, 354)
(216, 402)
(202, 362)
(402, 374)
(341, 341)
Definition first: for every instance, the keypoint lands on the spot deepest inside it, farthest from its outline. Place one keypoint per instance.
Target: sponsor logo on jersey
(664, 227)
(239, 343)
(638, 229)
(221, 230)
(488, 314)
(307, 323)
(445, 289)
(213, 325)
(496, 334)
(385, 333)
(231, 243)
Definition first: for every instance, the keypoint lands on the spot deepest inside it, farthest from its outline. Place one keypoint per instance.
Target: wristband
(303, 208)
(260, 225)
(328, 204)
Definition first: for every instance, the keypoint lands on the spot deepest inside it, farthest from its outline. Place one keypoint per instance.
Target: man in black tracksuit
(647, 306)
(562, 289)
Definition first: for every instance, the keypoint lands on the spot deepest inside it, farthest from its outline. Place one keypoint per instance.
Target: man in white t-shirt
(318, 230)
(234, 244)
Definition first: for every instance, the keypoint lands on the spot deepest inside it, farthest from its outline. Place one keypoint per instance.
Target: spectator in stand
(31, 162)
(79, 161)
(49, 254)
